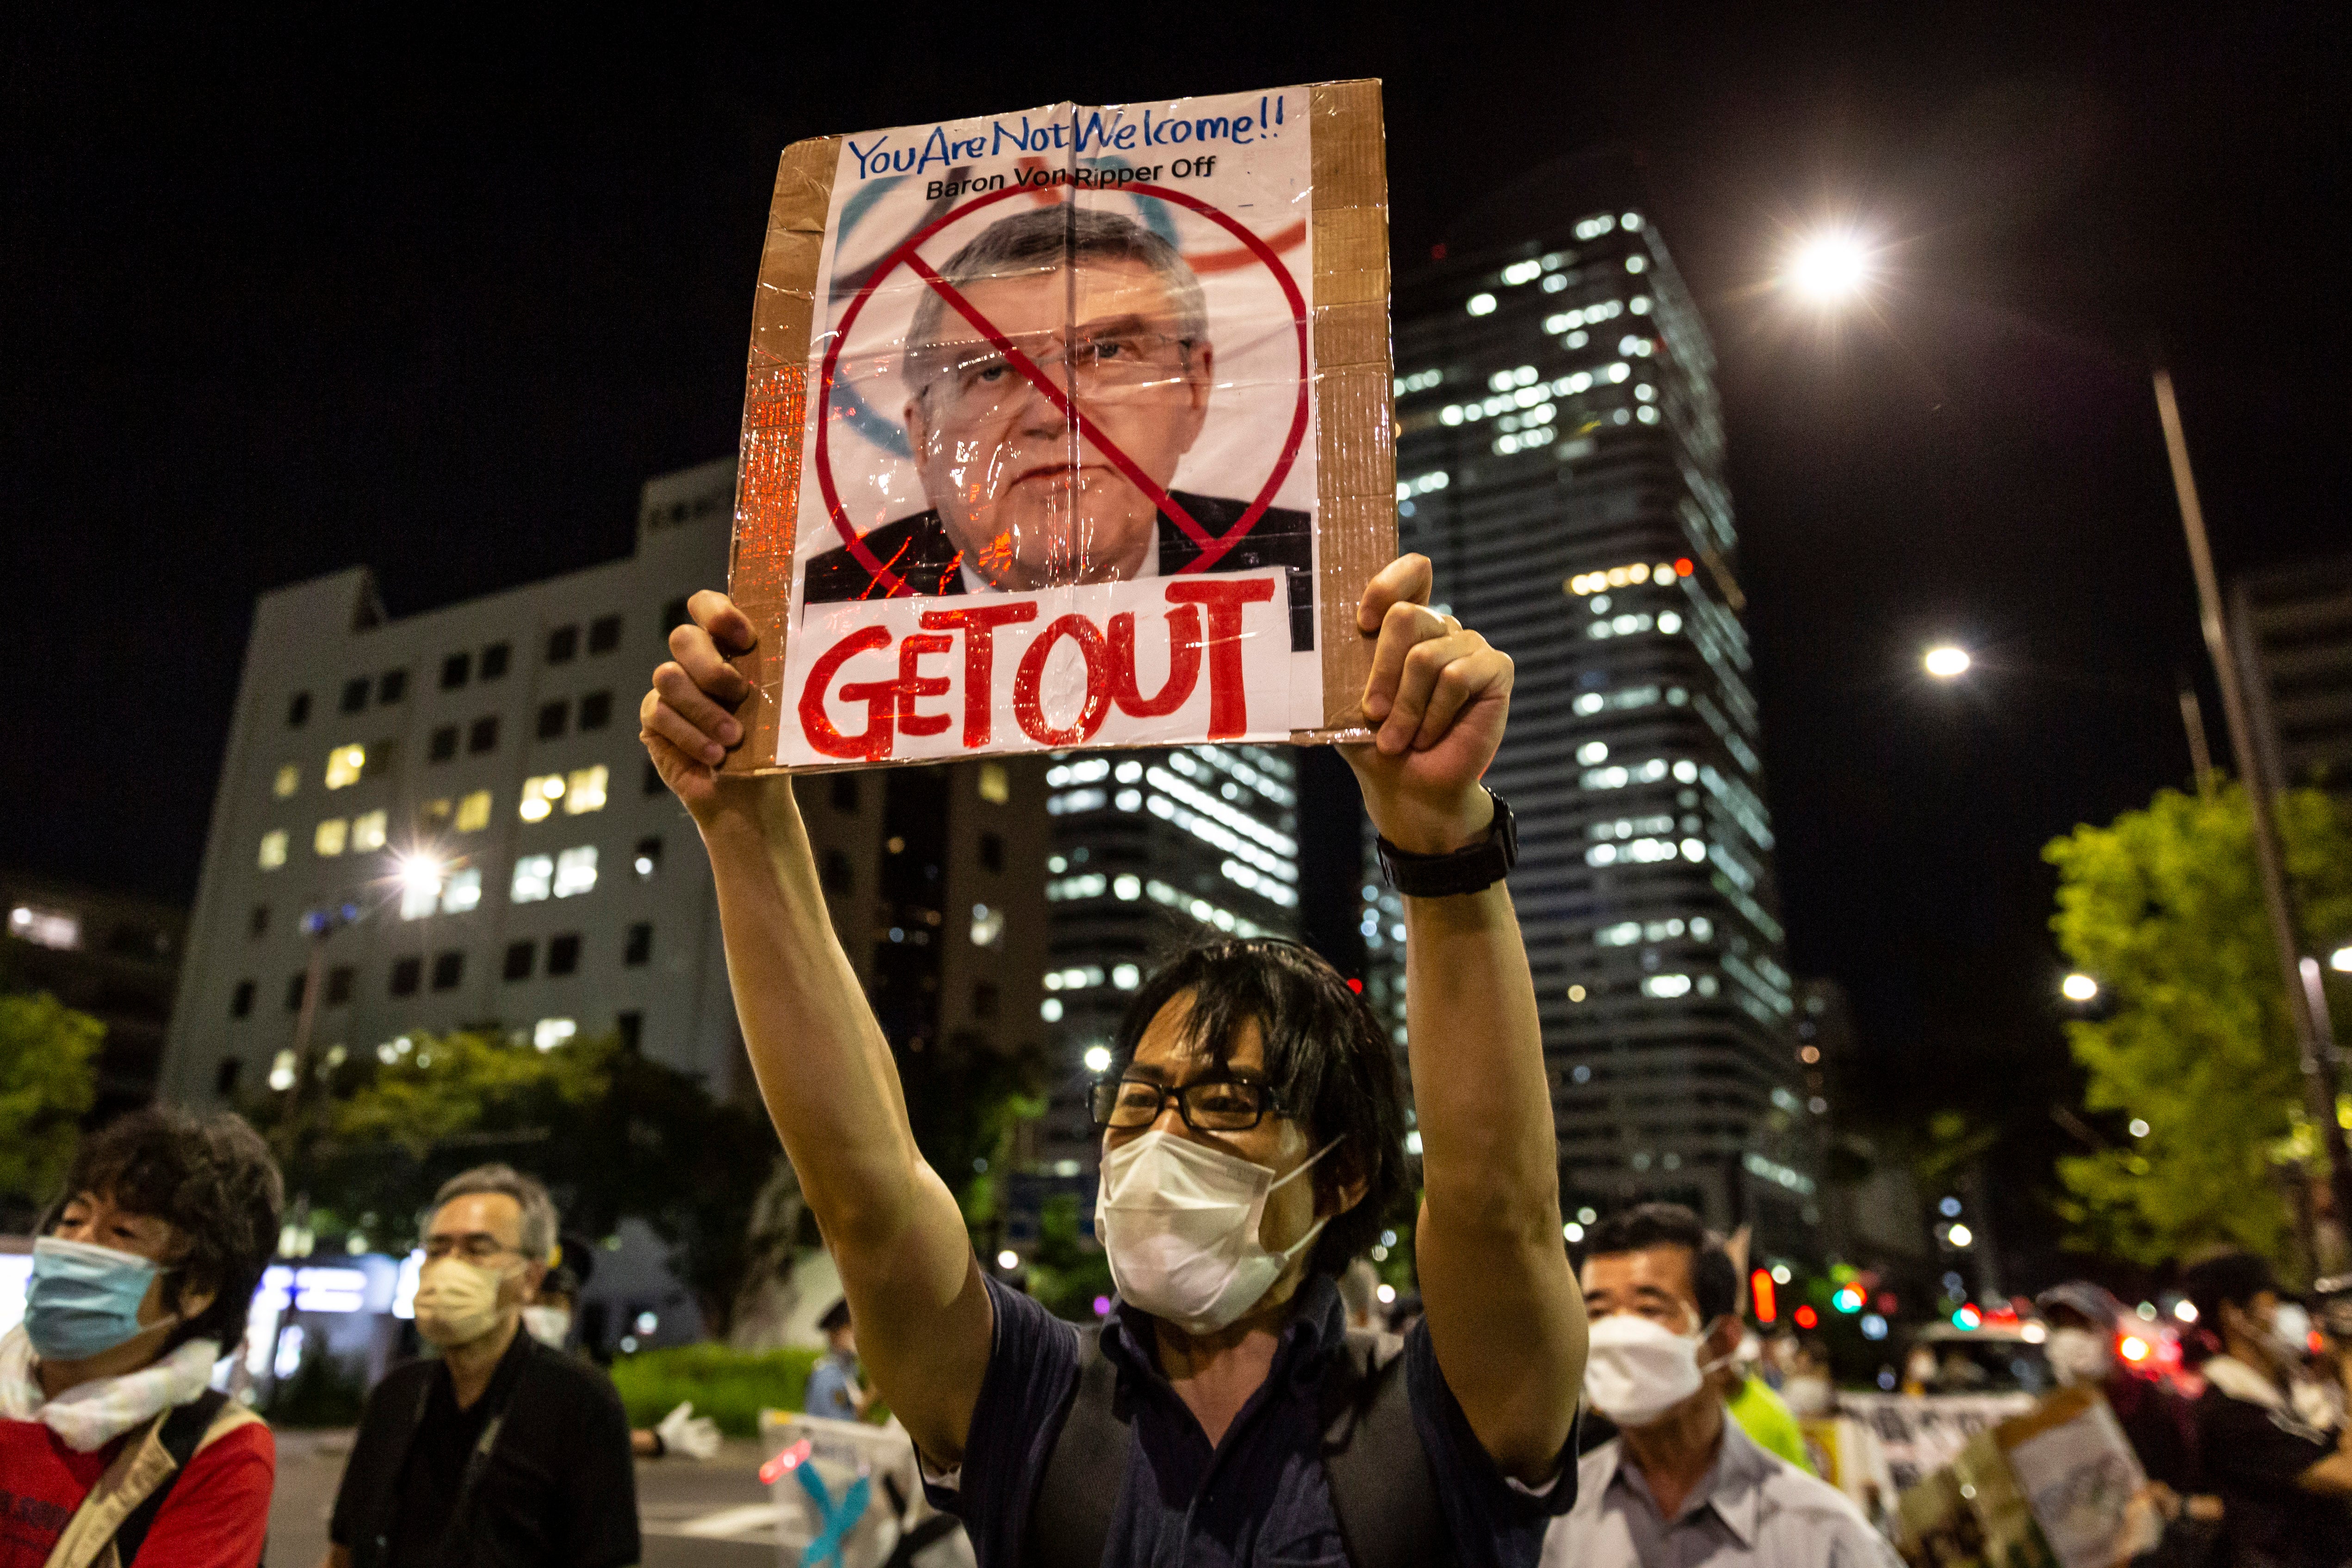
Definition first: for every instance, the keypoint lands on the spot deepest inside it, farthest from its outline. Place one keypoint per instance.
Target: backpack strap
(183, 1431)
(1077, 1496)
(116, 1512)
(1383, 1492)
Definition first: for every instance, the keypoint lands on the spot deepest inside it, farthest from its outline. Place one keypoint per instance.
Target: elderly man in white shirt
(1682, 1486)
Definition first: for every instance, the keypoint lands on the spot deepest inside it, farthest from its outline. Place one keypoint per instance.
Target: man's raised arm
(1505, 1315)
(825, 1070)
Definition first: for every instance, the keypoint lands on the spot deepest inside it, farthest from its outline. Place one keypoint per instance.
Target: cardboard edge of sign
(1355, 468)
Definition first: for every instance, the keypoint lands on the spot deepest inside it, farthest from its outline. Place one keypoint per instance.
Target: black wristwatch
(1471, 869)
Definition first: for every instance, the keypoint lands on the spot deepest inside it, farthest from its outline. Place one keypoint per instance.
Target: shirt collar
(1733, 1485)
(1317, 1323)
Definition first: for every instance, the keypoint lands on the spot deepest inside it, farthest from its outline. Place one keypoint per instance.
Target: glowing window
(330, 837)
(575, 871)
(463, 892)
(368, 830)
(583, 791)
(474, 812)
(344, 765)
(44, 928)
(550, 1032)
(532, 876)
(987, 925)
(995, 784)
(289, 780)
(273, 849)
(418, 895)
(540, 795)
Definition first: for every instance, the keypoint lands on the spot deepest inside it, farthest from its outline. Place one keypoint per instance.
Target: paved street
(711, 1515)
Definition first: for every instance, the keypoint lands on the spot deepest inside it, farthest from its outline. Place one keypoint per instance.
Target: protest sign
(1068, 427)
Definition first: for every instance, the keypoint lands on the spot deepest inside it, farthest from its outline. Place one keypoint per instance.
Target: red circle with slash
(1210, 548)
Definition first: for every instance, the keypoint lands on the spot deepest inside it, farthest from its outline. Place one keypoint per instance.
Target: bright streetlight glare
(2340, 961)
(1961, 1235)
(1008, 1260)
(1097, 1058)
(2078, 988)
(1829, 268)
(1945, 661)
(420, 873)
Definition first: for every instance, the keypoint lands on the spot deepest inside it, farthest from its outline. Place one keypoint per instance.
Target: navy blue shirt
(1259, 1497)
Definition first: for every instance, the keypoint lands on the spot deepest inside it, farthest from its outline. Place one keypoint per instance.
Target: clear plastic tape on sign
(1071, 427)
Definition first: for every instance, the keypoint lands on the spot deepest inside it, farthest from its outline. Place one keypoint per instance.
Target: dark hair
(835, 1319)
(1326, 1057)
(214, 1181)
(535, 1231)
(1715, 1281)
(2236, 1278)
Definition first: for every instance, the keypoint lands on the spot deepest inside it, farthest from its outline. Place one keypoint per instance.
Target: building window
(519, 955)
(494, 659)
(328, 840)
(298, 710)
(991, 851)
(983, 998)
(840, 877)
(552, 717)
(673, 615)
(339, 984)
(995, 784)
(273, 849)
(258, 923)
(444, 744)
(241, 1001)
(987, 925)
(369, 830)
(345, 764)
(539, 793)
(355, 692)
(631, 1026)
(584, 790)
(474, 812)
(418, 895)
(844, 792)
(533, 875)
(653, 778)
(225, 1077)
(294, 984)
(391, 686)
(405, 973)
(564, 954)
(455, 670)
(562, 644)
(289, 780)
(433, 815)
(550, 1032)
(604, 634)
(649, 858)
(575, 871)
(449, 970)
(484, 734)
(462, 892)
(595, 710)
(639, 949)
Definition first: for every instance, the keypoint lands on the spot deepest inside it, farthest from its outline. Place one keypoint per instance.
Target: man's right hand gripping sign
(1253, 1129)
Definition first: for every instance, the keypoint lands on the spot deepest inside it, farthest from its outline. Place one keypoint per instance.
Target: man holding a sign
(1252, 1135)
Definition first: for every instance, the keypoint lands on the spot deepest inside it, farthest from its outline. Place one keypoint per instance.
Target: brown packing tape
(1356, 455)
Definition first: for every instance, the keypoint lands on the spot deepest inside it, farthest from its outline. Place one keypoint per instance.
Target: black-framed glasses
(1207, 1105)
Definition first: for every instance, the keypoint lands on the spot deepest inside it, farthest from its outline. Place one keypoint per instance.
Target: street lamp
(2079, 987)
(2340, 960)
(1829, 268)
(1947, 661)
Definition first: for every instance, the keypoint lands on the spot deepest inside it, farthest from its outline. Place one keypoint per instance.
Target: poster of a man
(1027, 489)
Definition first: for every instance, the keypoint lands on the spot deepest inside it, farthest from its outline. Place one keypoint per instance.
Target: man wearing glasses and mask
(1109, 313)
(500, 1449)
(1253, 1141)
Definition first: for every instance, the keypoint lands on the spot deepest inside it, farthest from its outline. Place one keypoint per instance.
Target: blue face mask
(83, 1300)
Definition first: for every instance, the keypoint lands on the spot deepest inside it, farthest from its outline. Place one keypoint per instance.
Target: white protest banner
(1099, 393)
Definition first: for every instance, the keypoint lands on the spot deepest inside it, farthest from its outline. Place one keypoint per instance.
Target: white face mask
(551, 1326)
(1179, 1224)
(2078, 1355)
(1637, 1370)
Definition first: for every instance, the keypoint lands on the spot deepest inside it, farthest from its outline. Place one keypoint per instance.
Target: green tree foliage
(1067, 1271)
(47, 1082)
(963, 1099)
(2164, 908)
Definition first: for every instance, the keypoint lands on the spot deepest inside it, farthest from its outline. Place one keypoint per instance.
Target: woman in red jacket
(113, 1446)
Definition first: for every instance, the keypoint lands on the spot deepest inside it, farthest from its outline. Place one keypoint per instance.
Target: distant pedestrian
(548, 1320)
(834, 1388)
(2285, 1484)
(112, 1442)
(501, 1451)
(1682, 1483)
(2161, 1425)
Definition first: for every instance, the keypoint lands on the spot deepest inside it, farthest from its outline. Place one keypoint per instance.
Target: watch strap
(1470, 869)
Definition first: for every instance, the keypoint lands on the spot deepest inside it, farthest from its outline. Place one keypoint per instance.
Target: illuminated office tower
(1559, 456)
(1152, 850)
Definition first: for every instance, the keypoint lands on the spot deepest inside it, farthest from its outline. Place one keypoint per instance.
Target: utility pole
(2318, 1051)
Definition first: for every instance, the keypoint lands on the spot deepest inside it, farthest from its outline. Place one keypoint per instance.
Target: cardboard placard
(1068, 427)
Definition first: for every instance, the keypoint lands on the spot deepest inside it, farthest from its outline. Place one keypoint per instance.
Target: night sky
(280, 298)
